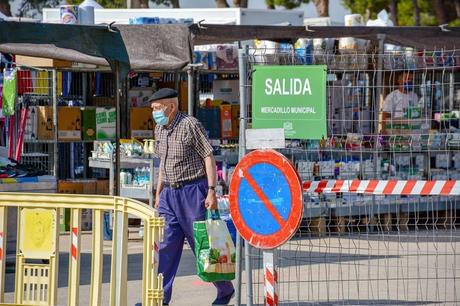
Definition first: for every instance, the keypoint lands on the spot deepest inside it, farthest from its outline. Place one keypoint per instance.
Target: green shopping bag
(214, 249)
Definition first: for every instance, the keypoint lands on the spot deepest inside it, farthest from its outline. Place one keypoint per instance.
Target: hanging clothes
(59, 84)
(42, 86)
(9, 91)
(24, 82)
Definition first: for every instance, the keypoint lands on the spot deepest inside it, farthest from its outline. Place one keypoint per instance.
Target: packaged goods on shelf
(139, 97)
(31, 131)
(103, 149)
(226, 121)
(305, 169)
(106, 123)
(456, 159)
(226, 57)
(442, 161)
(88, 124)
(69, 123)
(210, 119)
(226, 90)
(141, 122)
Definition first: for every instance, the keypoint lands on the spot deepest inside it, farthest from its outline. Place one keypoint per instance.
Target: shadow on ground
(187, 266)
(354, 302)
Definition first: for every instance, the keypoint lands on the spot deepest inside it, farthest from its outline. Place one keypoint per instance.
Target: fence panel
(391, 115)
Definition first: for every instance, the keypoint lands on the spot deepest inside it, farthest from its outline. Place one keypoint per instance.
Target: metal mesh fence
(390, 115)
(35, 93)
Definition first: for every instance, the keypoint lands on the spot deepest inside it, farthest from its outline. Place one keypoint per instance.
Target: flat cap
(163, 93)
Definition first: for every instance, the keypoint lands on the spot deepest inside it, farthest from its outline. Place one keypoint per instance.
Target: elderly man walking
(186, 185)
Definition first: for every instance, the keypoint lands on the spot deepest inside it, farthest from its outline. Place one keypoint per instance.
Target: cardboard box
(41, 62)
(226, 90)
(141, 122)
(45, 123)
(106, 123)
(70, 187)
(31, 131)
(102, 187)
(88, 117)
(69, 123)
(104, 101)
(226, 121)
(139, 97)
(77, 186)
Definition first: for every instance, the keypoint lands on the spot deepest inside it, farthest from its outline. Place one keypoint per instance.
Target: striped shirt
(182, 147)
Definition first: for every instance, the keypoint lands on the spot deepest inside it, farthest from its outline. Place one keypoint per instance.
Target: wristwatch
(213, 188)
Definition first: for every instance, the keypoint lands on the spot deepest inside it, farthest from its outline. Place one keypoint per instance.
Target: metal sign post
(266, 205)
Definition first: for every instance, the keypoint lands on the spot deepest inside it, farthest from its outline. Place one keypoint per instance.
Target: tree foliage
(406, 11)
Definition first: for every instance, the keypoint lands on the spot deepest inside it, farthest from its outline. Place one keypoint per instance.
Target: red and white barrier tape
(383, 187)
(74, 247)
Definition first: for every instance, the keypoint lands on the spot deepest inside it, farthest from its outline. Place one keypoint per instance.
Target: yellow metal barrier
(38, 241)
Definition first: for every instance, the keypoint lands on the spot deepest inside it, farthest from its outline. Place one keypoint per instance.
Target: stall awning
(419, 37)
(138, 47)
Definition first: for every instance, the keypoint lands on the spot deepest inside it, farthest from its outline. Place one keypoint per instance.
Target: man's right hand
(157, 201)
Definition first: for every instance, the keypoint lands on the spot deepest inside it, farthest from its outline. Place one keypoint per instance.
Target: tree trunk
(439, 10)
(221, 3)
(270, 4)
(457, 8)
(143, 3)
(416, 12)
(322, 7)
(240, 3)
(175, 3)
(5, 7)
(394, 12)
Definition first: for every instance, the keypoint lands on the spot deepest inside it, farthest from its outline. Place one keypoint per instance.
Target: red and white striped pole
(270, 278)
(74, 247)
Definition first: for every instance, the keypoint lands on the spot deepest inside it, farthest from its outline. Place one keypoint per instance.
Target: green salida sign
(292, 98)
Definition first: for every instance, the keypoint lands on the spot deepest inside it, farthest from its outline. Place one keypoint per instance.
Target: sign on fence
(292, 98)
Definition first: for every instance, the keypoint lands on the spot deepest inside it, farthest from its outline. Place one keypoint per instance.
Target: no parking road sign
(266, 199)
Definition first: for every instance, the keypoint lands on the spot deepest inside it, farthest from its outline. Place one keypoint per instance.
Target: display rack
(145, 192)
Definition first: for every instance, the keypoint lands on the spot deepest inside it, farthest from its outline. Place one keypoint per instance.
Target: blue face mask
(160, 117)
(408, 86)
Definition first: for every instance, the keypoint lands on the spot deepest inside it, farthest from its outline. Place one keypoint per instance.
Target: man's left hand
(211, 200)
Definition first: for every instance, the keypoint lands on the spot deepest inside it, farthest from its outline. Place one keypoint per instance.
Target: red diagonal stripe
(371, 186)
(447, 188)
(427, 188)
(73, 250)
(408, 187)
(389, 187)
(321, 186)
(337, 186)
(306, 185)
(75, 230)
(354, 185)
(269, 277)
(271, 208)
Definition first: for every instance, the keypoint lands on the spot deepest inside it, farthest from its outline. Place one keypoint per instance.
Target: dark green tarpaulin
(136, 47)
(95, 41)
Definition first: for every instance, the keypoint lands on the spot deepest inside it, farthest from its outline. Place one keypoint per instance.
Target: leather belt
(181, 184)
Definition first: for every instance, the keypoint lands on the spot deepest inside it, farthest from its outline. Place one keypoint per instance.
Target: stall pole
(55, 127)
(270, 278)
(190, 88)
(118, 129)
(378, 96)
(242, 60)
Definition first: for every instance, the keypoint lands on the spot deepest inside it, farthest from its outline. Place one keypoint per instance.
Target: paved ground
(400, 269)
